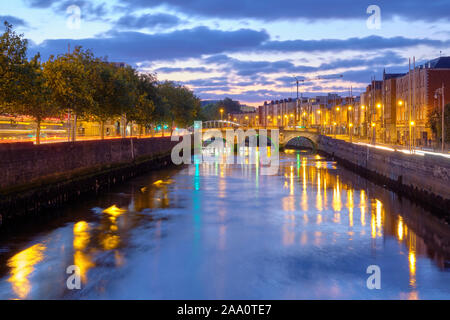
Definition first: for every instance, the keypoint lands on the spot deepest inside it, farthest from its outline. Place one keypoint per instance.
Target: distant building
(390, 105)
(245, 108)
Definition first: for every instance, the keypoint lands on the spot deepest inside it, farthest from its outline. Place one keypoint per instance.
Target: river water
(213, 231)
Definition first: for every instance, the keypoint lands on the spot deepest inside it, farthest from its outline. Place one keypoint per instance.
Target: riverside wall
(424, 179)
(39, 177)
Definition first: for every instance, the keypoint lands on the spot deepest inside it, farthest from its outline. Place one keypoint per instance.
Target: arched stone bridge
(285, 134)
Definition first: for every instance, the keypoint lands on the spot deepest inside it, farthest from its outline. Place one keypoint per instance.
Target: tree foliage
(435, 123)
(13, 54)
(212, 111)
(87, 87)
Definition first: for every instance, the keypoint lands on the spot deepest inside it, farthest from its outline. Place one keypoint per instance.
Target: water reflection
(212, 229)
(22, 266)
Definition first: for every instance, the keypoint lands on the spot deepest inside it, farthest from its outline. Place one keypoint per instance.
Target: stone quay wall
(423, 178)
(46, 176)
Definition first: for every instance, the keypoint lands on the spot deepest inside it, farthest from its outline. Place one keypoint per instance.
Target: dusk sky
(244, 49)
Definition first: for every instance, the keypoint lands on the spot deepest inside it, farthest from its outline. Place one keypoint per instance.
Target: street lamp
(338, 120)
(350, 121)
(362, 125)
(320, 120)
(441, 92)
(350, 128)
(373, 133)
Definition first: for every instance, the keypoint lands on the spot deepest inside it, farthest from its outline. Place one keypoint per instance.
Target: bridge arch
(288, 136)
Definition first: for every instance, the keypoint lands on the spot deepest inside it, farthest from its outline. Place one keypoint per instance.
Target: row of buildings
(393, 110)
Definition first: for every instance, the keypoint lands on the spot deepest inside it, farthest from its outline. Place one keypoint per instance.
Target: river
(213, 231)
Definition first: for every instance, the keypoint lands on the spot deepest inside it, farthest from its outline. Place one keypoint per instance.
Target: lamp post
(374, 139)
(443, 117)
(320, 121)
(336, 119)
(380, 107)
(350, 122)
(441, 92)
(399, 103)
(362, 125)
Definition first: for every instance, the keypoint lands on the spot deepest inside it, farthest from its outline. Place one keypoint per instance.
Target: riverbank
(424, 179)
(42, 177)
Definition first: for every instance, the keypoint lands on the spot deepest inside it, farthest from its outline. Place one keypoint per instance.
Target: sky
(248, 50)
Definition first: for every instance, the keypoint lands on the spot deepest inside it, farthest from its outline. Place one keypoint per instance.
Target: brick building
(416, 99)
(390, 106)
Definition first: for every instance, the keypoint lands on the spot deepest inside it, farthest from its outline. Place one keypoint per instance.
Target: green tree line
(211, 111)
(87, 88)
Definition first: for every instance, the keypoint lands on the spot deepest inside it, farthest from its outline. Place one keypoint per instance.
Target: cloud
(39, 3)
(187, 69)
(208, 82)
(133, 47)
(354, 44)
(253, 68)
(305, 9)
(17, 22)
(89, 10)
(149, 21)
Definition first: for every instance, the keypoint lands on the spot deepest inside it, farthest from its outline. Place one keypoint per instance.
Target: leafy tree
(143, 112)
(13, 54)
(24, 88)
(230, 106)
(212, 111)
(69, 78)
(435, 123)
(126, 93)
(35, 97)
(183, 105)
(107, 98)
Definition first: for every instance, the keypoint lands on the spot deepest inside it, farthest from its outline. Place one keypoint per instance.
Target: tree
(435, 122)
(34, 97)
(212, 111)
(13, 54)
(183, 105)
(69, 78)
(106, 104)
(144, 112)
(230, 106)
(126, 93)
